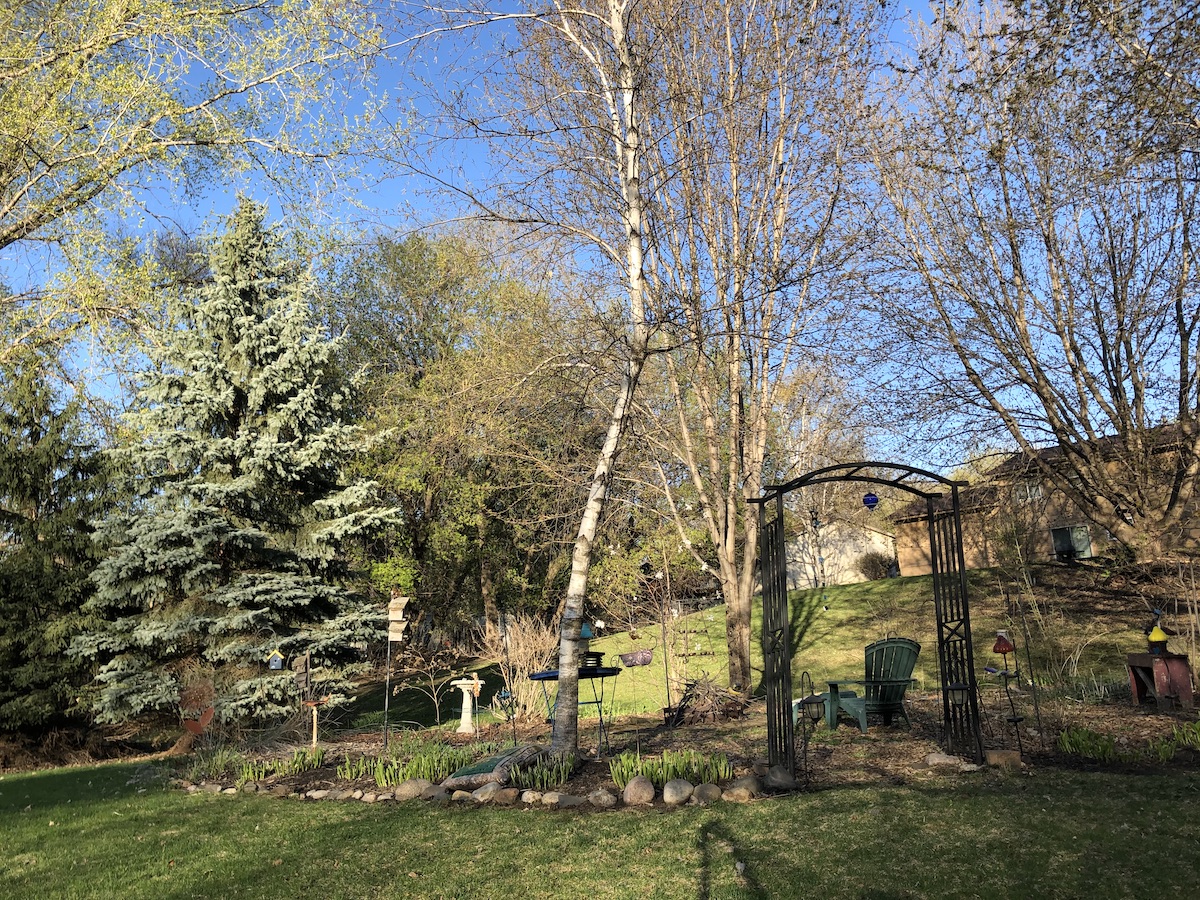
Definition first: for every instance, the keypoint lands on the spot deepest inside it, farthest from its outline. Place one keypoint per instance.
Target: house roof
(1160, 439)
(970, 499)
(1021, 464)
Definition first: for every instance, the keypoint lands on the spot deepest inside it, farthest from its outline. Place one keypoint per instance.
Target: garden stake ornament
(1005, 646)
(812, 711)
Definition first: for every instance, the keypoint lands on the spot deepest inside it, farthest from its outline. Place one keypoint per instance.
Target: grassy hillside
(1075, 623)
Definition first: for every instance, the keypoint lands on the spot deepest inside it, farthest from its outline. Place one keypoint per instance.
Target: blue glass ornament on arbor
(870, 501)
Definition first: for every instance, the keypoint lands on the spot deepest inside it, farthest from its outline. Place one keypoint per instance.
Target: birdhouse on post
(396, 621)
(397, 625)
(300, 672)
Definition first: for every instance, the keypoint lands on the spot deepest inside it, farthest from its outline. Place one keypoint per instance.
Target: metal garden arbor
(960, 696)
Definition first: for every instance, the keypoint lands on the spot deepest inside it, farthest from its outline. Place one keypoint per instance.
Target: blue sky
(387, 196)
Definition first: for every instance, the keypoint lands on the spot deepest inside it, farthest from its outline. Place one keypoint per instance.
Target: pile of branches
(704, 701)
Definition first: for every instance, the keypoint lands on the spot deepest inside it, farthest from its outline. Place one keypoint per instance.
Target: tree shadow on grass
(48, 789)
(721, 863)
(802, 615)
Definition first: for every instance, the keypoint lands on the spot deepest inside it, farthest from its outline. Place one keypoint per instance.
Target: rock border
(639, 793)
(676, 793)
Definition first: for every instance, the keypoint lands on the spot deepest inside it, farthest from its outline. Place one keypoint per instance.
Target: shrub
(524, 647)
(352, 770)
(875, 565)
(625, 768)
(1088, 744)
(254, 770)
(301, 761)
(415, 759)
(433, 764)
(1085, 743)
(1187, 736)
(543, 775)
(213, 764)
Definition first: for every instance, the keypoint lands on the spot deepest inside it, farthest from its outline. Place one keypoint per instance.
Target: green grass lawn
(112, 831)
(116, 831)
(1074, 637)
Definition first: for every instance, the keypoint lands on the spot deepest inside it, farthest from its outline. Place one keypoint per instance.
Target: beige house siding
(912, 545)
(836, 558)
(1006, 523)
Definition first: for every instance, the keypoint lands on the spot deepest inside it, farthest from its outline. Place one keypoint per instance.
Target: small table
(1164, 677)
(833, 703)
(595, 676)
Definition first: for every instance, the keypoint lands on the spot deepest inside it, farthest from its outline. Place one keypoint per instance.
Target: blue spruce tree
(238, 543)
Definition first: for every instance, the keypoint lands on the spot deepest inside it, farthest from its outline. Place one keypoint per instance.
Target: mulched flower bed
(885, 755)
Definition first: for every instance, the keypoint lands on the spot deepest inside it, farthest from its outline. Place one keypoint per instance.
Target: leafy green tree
(238, 544)
(416, 301)
(485, 439)
(51, 487)
(407, 307)
(107, 102)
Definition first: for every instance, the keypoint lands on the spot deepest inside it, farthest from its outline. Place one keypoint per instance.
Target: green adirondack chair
(889, 666)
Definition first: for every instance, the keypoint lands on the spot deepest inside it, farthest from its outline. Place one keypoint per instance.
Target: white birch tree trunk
(566, 111)
(626, 137)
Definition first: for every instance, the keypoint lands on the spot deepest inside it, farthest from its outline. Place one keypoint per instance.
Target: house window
(1071, 542)
(1027, 491)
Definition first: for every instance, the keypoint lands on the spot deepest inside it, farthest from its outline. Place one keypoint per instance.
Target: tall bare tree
(750, 246)
(1040, 277)
(1151, 55)
(696, 152)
